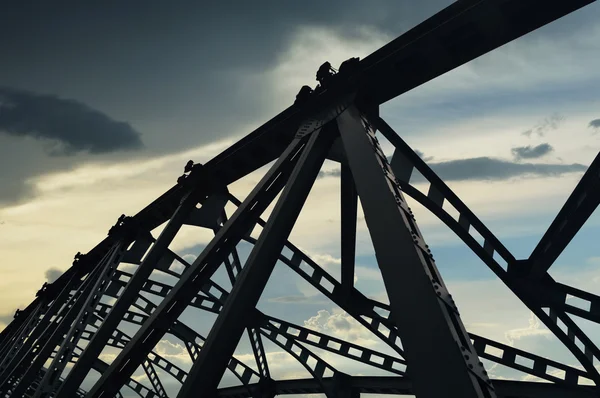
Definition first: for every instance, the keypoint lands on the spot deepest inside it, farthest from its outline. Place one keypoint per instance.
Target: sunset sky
(101, 107)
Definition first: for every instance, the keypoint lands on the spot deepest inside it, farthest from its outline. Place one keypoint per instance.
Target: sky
(102, 106)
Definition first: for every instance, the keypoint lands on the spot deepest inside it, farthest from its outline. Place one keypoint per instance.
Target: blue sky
(186, 98)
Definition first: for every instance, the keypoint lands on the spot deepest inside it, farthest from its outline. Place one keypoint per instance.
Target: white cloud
(341, 325)
(535, 328)
(172, 351)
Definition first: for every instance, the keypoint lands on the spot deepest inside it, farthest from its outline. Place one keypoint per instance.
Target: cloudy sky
(102, 106)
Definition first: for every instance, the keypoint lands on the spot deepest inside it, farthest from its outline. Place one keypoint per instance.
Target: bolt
(470, 366)
(467, 357)
(463, 348)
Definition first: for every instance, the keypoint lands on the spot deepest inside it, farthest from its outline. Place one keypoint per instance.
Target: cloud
(422, 155)
(7, 318)
(487, 169)
(548, 124)
(341, 325)
(65, 126)
(52, 274)
(529, 152)
(535, 328)
(595, 124)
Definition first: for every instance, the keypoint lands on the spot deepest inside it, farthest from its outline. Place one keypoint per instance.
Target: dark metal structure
(53, 344)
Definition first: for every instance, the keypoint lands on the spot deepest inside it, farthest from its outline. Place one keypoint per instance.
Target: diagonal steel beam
(37, 357)
(332, 344)
(21, 318)
(317, 367)
(508, 355)
(49, 382)
(200, 271)
(579, 207)
(410, 275)
(93, 349)
(234, 267)
(491, 251)
(26, 326)
(56, 308)
(28, 361)
(226, 332)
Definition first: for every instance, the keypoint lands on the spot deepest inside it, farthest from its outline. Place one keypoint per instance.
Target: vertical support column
(349, 203)
(129, 295)
(437, 348)
(224, 336)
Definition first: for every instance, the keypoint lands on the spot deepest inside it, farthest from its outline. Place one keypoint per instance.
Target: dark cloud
(490, 169)
(486, 169)
(185, 75)
(595, 124)
(52, 274)
(529, 152)
(548, 124)
(66, 126)
(421, 155)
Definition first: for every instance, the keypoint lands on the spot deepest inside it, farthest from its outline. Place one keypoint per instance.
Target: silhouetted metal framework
(53, 344)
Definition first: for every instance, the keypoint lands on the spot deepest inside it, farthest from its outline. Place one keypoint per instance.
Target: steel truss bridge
(51, 346)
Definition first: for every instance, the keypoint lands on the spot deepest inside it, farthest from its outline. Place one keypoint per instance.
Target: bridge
(53, 344)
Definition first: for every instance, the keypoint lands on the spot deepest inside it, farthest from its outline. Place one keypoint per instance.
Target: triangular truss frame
(64, 330)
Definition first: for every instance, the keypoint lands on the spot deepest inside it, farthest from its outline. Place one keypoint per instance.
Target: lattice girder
(338, 124)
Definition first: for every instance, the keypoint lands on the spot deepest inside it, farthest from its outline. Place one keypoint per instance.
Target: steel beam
(197, 275)
(542, 302)
(579, 207)
(385, 385)
(22, 330)
(50, 381)
(126, 299)
(236, 314)
(12, 330)
(427, 322)
(54, 336)
(349, 203)
(11, 362)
